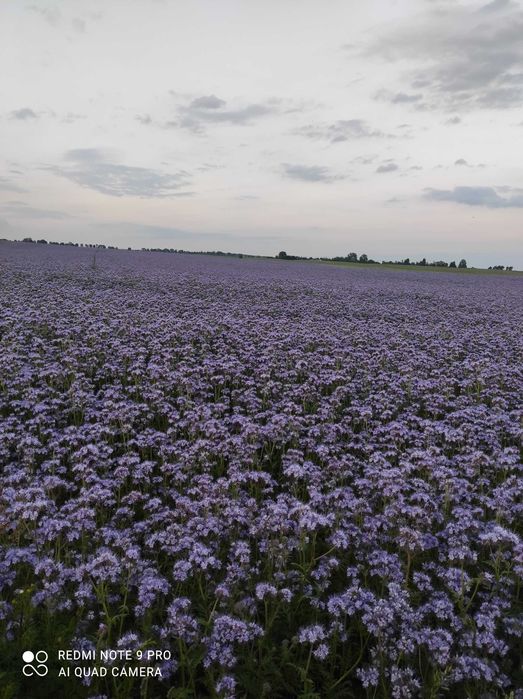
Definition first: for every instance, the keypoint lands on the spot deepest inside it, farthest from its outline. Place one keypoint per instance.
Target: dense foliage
(303, 480)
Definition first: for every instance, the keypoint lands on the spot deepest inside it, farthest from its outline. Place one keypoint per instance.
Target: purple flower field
(302, 480)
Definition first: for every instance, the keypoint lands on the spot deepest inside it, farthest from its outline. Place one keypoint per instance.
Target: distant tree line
(352, 257)
(98, 246)
(219, 253)
(462, 264)
(365, 259)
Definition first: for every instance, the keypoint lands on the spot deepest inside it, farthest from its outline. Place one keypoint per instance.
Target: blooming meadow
(302, 480)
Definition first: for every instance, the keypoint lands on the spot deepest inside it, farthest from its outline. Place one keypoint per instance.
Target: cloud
(387, 167)
(71, 117)
(78, 25)
(496, 6)
(338, 131)
(399, 97)
(19, 209)
(23, 114)
(461, 161)
(207, 102)
(91, 168)
(7, 185)
(463, 58)
(364, 159)
(210, 109)
(453, 120)
(50, 14)
(309, 173)
(87, 155)
(403, 98)
(144, 119)
(479, 196)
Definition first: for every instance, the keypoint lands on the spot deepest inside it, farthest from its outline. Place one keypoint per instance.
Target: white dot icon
(28, 656)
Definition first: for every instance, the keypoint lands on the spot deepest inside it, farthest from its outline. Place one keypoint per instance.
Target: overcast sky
(391, 128)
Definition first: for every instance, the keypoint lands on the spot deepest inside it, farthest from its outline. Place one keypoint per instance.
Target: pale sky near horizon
(319, 128)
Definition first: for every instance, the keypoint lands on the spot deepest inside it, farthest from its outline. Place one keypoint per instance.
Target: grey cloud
(364, 159)
(71, 117)
(211, 110)
(403, 98)
(89, 155)
(26, 114)
(466, 61)
(144, 119)
(50, 14)
(415, 100)
(237, 116)
(387, 167)
(420, 83)
(479, 196)
(309, 173)
(23, 114)
(7, 185)
(207, 102)
(496, 6)
(453, 120)
(338, 131)
(78, 25)
(461, 162)
(90, 168)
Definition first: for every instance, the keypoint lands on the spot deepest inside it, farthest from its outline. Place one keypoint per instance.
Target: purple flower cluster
(301, 479)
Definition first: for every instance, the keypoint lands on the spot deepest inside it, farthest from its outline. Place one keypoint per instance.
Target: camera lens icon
(35, 663)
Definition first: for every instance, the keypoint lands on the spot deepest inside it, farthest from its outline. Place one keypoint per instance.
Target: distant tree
(363, 258)
(452, 264)
(42, 241)
(282, 255)
(462, 264)
(352, 257)
(27, 240)
(423, 262)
